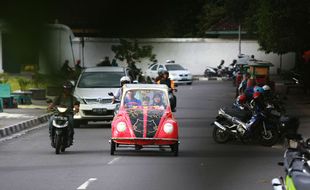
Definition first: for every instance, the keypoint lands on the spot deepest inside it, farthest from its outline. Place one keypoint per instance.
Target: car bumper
(145, 141)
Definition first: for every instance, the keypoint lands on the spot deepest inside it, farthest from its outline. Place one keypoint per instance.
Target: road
(29, 163)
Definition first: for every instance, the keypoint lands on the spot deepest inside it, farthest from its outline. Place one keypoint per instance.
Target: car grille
(91, 113)
(98, 101)
(137, 121)
(183, 75)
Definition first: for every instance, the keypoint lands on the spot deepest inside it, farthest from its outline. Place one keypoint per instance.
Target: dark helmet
(67, 85)
(161, 71)
(165, 72)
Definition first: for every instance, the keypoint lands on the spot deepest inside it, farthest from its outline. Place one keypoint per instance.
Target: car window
(174, 67)
(100, 79)
(161, 67)
(154, 68)
(147, 98)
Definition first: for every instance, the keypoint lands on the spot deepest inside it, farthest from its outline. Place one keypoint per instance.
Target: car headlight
(61, 109)
(121, 126)
(168, 128)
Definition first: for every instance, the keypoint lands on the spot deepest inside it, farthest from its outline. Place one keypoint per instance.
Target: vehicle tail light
(168, 128)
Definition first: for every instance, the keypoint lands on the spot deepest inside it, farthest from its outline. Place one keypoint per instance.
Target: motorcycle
(172, 99)
(247, 122)
(296, 165)
(60, 130)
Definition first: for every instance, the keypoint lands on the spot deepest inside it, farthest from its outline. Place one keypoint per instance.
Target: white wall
(57, 49)
(193, 53)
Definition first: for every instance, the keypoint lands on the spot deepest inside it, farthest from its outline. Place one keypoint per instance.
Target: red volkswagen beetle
(144, 119)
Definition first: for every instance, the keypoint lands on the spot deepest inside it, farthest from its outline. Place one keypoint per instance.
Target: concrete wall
(193, 53)
(57, 48)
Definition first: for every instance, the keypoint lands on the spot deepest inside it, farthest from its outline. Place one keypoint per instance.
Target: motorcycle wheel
(269, 138)
(220, 136)
(57, 144)
(113, 147)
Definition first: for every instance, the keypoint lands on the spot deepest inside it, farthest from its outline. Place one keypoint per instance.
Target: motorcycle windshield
(145, 109)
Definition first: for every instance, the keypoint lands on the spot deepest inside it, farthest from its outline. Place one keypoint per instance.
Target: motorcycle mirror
(110, 94)
(308, 143)
(281, 163)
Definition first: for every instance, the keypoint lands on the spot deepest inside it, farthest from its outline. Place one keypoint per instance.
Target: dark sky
(109, 17)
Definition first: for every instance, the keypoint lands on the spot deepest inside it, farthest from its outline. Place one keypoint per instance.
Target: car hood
(94, 92)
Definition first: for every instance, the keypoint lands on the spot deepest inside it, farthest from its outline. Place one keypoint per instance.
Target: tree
(283, 26)
(131, 52)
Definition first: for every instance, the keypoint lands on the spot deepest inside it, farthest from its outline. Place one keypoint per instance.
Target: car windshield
(174, 67)
(100, 79)
(156, 99)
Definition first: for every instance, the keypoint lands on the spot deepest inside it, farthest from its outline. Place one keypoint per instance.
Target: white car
(177, 73)
(92, 90)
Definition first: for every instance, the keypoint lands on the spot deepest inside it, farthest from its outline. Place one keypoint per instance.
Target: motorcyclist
(68, 100)
(160, 75)
(167, 81)
(118, 96)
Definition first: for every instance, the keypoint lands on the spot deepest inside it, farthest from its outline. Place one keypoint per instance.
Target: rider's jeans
(50, 125)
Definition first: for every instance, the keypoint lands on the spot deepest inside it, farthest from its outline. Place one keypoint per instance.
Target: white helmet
(125, 79)
(266, 88)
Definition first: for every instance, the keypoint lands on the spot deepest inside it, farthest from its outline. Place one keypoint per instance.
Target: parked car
(92, 90)
(177, 73)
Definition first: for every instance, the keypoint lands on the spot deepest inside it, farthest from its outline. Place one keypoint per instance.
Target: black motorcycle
(61, 136)
(248, 123)
(296, 165)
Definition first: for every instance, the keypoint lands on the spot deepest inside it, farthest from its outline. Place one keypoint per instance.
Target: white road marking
(14, 115)
(86, 184)
(113, 161)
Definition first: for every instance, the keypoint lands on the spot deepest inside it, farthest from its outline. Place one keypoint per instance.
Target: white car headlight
(61, 109)
(121, 126)
(168, 128)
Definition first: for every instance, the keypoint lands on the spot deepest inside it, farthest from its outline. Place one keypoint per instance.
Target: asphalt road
(29, 163)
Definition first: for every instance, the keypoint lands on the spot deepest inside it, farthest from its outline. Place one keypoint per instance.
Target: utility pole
(239, 38)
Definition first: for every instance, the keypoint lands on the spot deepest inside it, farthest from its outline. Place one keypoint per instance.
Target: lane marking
(113, 161)
(86, 184)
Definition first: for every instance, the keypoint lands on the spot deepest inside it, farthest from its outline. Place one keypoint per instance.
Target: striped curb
(9, 130)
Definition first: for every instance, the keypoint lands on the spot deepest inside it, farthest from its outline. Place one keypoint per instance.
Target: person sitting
(158, 101)
(130, 100)
(146, 101)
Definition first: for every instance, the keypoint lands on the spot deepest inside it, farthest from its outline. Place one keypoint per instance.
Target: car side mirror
(72, 82)
(110, 94)
(308, 143)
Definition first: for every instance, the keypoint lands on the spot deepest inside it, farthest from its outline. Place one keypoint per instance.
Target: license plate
(61, 118)
(99, 110)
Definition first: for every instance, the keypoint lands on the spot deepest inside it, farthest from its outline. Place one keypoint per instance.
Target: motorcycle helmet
(266, 88)
(258, 89)
(67, 85)
(161, 71)
(241, 99)
(256, 95)
(165, 72)
(125, 79)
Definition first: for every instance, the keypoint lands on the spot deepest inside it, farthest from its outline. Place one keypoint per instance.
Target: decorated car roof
(146, 86)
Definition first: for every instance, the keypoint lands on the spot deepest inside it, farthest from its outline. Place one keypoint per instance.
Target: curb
(211, 78)
(9, 130)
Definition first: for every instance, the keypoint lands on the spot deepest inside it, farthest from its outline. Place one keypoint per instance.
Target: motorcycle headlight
(168, 128)
(121, 126)
(61, 109)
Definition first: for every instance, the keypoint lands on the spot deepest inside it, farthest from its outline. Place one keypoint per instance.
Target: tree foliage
(131, 52)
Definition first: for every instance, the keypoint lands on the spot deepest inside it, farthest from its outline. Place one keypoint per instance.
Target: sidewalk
(23, 117)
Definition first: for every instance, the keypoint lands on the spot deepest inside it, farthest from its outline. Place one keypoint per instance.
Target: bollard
(1, 105)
